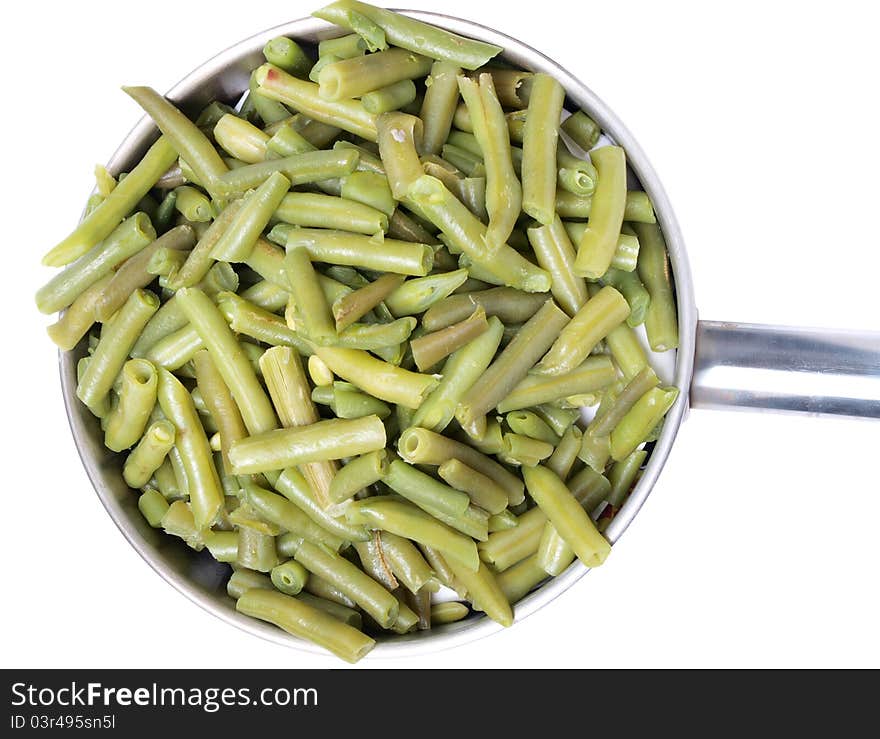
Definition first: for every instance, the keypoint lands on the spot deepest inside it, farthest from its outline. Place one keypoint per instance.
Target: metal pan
(720, 365)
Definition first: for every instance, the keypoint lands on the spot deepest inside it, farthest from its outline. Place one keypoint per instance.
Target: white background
(759, 545)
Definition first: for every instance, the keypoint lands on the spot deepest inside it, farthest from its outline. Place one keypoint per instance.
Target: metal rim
(230, 62)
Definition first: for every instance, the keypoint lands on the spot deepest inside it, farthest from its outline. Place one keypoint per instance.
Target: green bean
(134, 272)
(358, 474)
(338, 611)
(311, 304)
(116, 341)
(362, 589)
(225, 350)
(370, 188)
(280, 511)
(355, 305)
(661, 324)
(592, 323)
(590, 488)
(565, 455)
(407, 563)
(256, 550)
(178, 521)
(165, 212)
(299, 169)
(605, 422)
(153, 507)
(104, 181)
(597, 245)
(510, 305)
(441, 569)
(513, 121)
(524, 450)
(314, 209)
(392, 97)
(582, 129)
(640, 420)
(553, 555)
(578, 176)
(205, 492)
(237, 242)
(199, 261)
(349, 115)
(399, 137)
(305, 621)
(595, 450)
(348, 402)
(556, 254)
(505, 548)
(243, 580)
(503, 189)
(626, 252)
(322, 588)
(517, 581)
(289, 577)
(484, 593)
(149, 454)
(482, 490)
(288, 55)
(467, 235)
(530, 424)
(359, 75)
(623, 474)
(126, 240)
(287, 140)
(627, 350)
(460, 372)
(379, 379)
(438, 107)
(240, 139)
(421, 446)
(594, 373)
(219, 403)
(75, 322)
(417, 295)
(125, 423)
(631, 287)
(401, 226)
(223, 545)
(429, 349)
(637, 208)
(540, 136)
(372, 557)
(266, 295)
(193, 204)
(100, 225)
(164, 475)
(406, 520)
(424, 490)
(502, 521)
(269, 111)
(411, 34)
(469, 162)
(250, 320)
(344, 47)
(330, 439)
(356, 250)
(469, 190)
(182, 134)
(567, 516)
(512, 365)
(165, 262)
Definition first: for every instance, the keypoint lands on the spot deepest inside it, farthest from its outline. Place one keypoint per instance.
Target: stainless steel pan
(721, 365)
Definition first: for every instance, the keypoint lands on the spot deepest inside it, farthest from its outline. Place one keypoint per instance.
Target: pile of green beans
(342, 334)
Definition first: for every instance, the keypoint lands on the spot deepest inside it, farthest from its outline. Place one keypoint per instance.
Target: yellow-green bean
(661, 323)
(125, 423)
(556, 254)
(314, 209)
(524, 450)
(237, 242)
(594, 373)
(640, 420)
(153, 507)
(289, 577)
(353, 306)
(540, 137)
(148, 456)
(438, 107)
(357, 474)
(482, 490)
(484, 593)
(428, 349)
(311, 304)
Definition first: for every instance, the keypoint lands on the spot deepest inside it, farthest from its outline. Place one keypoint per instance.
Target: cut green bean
(429, 349)
(540, 137)
(305, 621)
(637, 207)
(193, 204)
(399, 138)
(635, 427)
(510, 305)
(407, 563)
(358, 75)
(565, 454)
(517, 581)
(117, 339)
(153, 507)
(183, 134)
(205, 493)
(372, 557)
(125, 423)
(595, 450)
(146, 458)
(303, 96)
(592, 323)
(484, 593)
(512, 365)
(288, 55)
(358, 474)
(299, 169)
(482, 490)
(280, 511)
(311, 303)
(314, 209)
(630, 286)
(238, 241)
(421, 446)
(255, 550)
(289, 577)
(411, 34)
(556, 254)
(569, 519)
(594, 373)
(661, 323)
(379, 379)
(418, 295)
(344, 47)
(104, 220)
(438, 107)
(582, 129)
(424, 490)
(523, 450)
(530, 424)
(623, 474)
(355, 305)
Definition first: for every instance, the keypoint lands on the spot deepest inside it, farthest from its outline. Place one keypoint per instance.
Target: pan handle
(746, 366)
